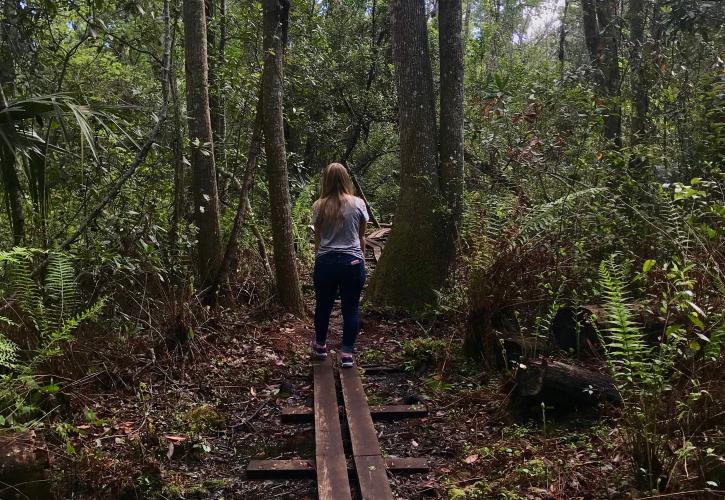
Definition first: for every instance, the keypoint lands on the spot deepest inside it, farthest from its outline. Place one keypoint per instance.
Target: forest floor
(185, 424)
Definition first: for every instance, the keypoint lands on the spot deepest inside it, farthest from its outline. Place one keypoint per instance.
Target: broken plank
(406, 465)
(305, 414)
(369, 465)
(332, 480)
(305, 469)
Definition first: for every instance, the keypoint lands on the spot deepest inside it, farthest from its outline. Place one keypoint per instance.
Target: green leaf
(696, 321)
(648, 264)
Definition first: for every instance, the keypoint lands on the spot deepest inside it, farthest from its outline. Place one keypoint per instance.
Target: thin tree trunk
(600, 33)
(562, 39)
(261, 247)
(452, 114)
(216, 46)
(637, 15)
(204, 182)
(180, 181)
(13, 193)
(285, 261)
(11, 182)
(245, 187)
(415, 261)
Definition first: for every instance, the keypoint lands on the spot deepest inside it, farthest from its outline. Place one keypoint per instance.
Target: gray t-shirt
(346, 238)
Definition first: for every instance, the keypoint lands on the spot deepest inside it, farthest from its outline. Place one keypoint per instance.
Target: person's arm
(317, 238)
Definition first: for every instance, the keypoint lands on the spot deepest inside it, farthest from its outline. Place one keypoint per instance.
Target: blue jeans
(345, 272)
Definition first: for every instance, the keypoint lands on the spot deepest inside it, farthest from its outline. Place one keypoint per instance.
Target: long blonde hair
(336, 186)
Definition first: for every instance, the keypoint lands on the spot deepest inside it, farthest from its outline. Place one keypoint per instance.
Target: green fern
(627, 352)
(54, 318)
(18, 270)
(55, 339)
(60, 287)
(8, 352)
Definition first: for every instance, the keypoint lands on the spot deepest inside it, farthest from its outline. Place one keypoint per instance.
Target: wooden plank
(332, 480)
(406, 465)
(371, 473)
(281, 469)
(372, 476)
(305, 414)
(305, 469)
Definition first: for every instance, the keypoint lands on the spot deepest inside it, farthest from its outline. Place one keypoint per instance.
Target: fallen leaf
(470, 459)
(175, 439)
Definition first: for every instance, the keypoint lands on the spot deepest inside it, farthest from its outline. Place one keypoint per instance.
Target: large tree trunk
(285, 260)
(452, 114)
(204, 182)
(415, 261)
(600, 33)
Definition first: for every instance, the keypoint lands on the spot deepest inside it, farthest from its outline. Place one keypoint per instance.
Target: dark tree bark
(216, 47)
(452, 114)
(11, 182)
(562, 39)
(204, 182)
(285, 261)
(416, 257)
(637, 16)
(600, 33)
(13, 194)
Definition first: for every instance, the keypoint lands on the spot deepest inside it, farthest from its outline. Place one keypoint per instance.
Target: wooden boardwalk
(332, 481)
(330, 466)
(369, 465)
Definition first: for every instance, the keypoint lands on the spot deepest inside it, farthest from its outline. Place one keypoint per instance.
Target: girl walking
(340, 220)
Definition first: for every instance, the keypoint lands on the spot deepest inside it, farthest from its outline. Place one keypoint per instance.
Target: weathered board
(305, 469)
(305, 414)
(332, 480)
(369, 465)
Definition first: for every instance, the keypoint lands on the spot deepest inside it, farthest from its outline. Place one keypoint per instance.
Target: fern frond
(8, 352)
(18, 271)
(543, 217)
(55, 339)
(627, 352)
(60, 285)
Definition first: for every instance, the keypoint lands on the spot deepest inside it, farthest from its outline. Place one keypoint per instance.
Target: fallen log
(562, 386)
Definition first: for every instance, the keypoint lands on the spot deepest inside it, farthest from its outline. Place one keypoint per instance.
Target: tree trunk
(637, 17)
(285, 260)
(216, 46)
(562, 39)
(245, 188)
(600, 33)
(204, 183)
(452, 114)
(13, 193)
(415, 262)
(11, 182)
